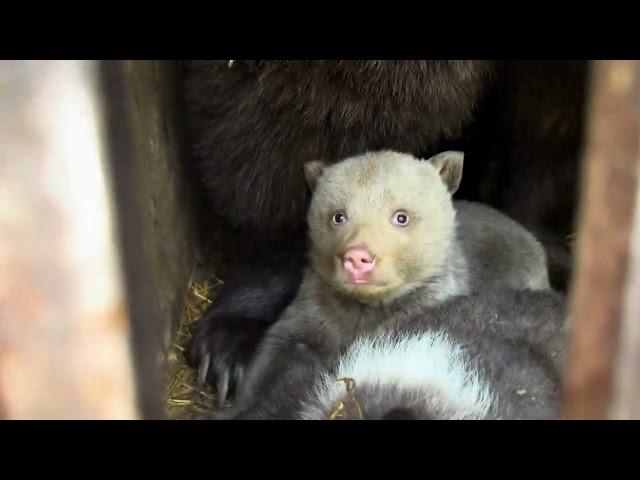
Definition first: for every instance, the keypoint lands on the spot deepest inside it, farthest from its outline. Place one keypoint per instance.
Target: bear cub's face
(382, 223)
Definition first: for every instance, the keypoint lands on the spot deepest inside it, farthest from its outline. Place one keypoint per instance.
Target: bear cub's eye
(401, 218)
(339, 218)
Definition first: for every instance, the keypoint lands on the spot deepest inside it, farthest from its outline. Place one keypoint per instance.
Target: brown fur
(256, 123)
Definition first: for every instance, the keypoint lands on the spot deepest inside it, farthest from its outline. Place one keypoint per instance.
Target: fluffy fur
(419, 368)
(496, 354)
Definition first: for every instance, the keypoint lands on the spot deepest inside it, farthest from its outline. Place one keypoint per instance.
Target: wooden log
(606, 217)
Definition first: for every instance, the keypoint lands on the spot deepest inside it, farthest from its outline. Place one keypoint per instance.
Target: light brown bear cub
(387, 243)
(384, 224)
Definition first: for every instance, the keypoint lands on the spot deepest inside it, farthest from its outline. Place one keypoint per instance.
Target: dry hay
(183, 398)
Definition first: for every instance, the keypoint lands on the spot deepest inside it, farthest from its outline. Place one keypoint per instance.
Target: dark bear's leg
(252, 298)
(284, 370)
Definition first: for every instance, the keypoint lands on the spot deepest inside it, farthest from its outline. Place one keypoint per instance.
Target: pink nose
(358, 261)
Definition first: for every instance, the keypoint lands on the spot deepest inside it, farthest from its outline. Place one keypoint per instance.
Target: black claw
(223, 388)
(203, 370)
(220, 350)
(238, 377)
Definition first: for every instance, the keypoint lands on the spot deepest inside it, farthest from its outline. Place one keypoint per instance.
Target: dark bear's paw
(220, 350)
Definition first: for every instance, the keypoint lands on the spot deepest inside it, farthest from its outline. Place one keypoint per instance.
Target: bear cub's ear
(449, 166)
(313, 170)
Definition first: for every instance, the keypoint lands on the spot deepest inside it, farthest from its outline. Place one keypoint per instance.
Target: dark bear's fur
(513, 340)
(522, 154)
(255, 123)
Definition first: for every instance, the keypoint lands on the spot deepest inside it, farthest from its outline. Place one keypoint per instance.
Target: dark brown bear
(255, 123)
